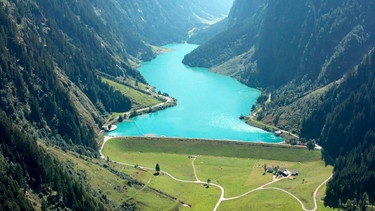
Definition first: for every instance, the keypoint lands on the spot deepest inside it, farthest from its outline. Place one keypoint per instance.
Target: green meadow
(131, 90)
(238, 167)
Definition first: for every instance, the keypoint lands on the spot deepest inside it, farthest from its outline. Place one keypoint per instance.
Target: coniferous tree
(157, 168)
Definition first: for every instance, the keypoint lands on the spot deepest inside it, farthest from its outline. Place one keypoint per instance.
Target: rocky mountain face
(51, 56)
(313, 61)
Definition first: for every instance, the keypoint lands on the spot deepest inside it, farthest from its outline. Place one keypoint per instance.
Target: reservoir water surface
(209, 105)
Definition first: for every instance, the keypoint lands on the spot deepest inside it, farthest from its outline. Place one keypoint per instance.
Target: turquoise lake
(208, 107)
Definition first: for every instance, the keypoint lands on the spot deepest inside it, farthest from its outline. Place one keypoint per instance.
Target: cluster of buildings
(282, 171)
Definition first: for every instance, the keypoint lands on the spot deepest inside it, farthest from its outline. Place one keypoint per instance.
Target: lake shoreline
(208, 106)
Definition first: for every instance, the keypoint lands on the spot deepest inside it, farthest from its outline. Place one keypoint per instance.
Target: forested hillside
(49, 90)
(31, 93)
(52, 55)
(344, 126)
(54, 48)
(321, 34)
(304, 56)
(242, 26)
(26, 167)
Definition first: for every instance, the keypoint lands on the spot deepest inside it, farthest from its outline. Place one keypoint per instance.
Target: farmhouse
(269, 170)
(283, 172)
(294, 172)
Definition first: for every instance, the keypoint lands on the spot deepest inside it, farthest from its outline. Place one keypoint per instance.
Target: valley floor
(193, 173)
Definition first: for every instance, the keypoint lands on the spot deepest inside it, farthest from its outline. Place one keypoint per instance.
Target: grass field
(137, 97)
(263, 200)
(236, 166)
(216, 148)
(98, 174)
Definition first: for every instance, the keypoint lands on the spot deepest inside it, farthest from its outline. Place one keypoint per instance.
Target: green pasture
(236, 175)
(265, 200)
(303, 186)
(114, 188)
(137, 97)
(269, 200)
(196, 195)
(237, 167)
(215, 148)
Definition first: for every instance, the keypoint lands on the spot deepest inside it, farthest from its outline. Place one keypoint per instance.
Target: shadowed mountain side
(304, 56)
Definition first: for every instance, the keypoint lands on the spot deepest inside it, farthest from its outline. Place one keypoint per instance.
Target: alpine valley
(69, 67)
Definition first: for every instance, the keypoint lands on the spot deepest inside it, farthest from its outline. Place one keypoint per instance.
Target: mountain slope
(79, 40)
(290, 49)
(344, 126)
(25, 167)
(52, 57)
(319, 35)
(161, 22)
(236, 40)
(304, 56)
(30, 90)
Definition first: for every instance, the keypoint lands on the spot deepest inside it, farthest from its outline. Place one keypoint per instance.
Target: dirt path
(195, 171)
(106, 138)
(299, 201)
(317, 190)
(222, 198)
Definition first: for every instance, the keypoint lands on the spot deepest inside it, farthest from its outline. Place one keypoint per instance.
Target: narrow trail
(317, 190)
(299, 201)
(259, 188)
(222, 198)
(212, 184)
(106, 138)
(195, 171)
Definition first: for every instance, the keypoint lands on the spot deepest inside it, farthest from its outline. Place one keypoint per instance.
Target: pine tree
(157, 168)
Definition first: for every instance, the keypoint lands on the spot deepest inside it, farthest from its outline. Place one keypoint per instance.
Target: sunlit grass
(236, 173)
(117, 190)
(196, 195)
(215, 148)
(180, 167)
(137, 97)
(231, 173)
(265, 200)
(311, 175)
